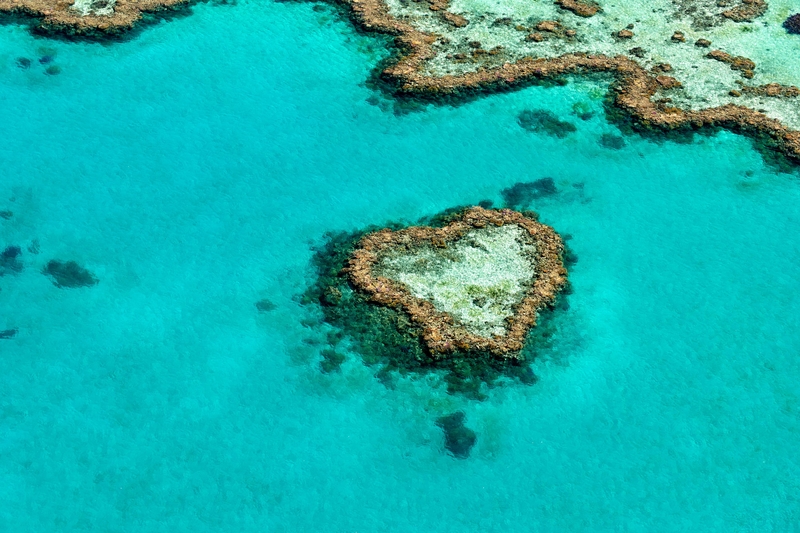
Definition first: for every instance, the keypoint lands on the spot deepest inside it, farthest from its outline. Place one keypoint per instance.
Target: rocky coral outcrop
(746, 11)
(773, 90)
(454, 20)
(745, 65)
(582, 9)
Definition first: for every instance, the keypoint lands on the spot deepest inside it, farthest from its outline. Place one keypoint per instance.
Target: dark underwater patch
(583, 110)
(8, 333)
(458, 438)
(265, 306)
(331, 361)
(611, 141)
(792, 24)
(545, 121)
(10, 262)
(69, 274)
(521, 194)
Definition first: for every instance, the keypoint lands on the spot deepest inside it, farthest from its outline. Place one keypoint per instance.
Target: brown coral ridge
(773, 90)
(59, 16)
(747, 11)
(631, 94)
(582, 9)
(440, 333)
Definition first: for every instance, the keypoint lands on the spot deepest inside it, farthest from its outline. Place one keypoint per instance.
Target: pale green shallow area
(706, 82)
(478, 279)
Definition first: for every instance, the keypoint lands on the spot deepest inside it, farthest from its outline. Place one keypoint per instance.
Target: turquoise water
(192, 168)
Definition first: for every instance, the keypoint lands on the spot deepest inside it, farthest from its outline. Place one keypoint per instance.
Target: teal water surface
(192, 168)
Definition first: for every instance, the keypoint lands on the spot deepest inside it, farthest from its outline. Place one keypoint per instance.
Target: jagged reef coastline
(677, 65)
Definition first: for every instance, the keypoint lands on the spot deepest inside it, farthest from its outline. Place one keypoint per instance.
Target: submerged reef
(456, 295)
(521, 194)
(458, 438)
(69, 274)
(545, 121)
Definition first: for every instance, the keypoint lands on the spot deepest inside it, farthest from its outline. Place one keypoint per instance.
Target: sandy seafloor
(190, 169)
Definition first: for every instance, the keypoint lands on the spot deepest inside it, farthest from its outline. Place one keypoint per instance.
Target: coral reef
(69, 274)
(387, 339)
(501, 291)
(433, 63)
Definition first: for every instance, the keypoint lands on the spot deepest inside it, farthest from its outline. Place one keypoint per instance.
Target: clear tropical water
(192, 167)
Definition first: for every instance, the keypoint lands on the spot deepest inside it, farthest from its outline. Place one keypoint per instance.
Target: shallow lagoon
(191, 168)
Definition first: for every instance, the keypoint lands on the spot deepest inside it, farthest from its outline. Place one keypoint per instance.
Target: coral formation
(434, 62)
(93, 17)
(69, 274)
(582, 9)
(746, 11)
(484, 278)
(387, 339)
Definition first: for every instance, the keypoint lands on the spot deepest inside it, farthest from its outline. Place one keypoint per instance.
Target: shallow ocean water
(192, 168)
